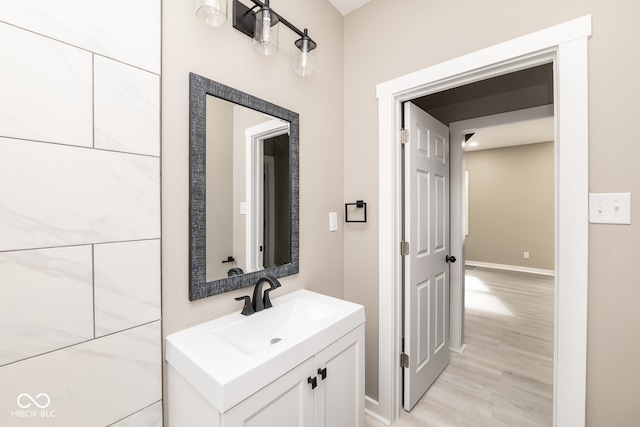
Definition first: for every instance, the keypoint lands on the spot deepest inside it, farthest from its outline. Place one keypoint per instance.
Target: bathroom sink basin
(228, 359)
(261, 330)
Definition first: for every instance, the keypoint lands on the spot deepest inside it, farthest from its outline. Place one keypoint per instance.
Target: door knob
(450, 259)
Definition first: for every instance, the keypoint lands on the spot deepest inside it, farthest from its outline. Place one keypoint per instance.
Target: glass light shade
(304, 59)
(265, 36)
(212, 12)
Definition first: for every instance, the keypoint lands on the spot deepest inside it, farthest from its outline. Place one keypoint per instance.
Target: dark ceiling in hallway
(528, 88)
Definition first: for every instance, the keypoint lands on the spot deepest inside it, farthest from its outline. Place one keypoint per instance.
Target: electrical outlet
(526, 255)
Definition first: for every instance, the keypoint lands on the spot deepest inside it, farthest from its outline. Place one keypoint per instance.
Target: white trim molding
(566, 46)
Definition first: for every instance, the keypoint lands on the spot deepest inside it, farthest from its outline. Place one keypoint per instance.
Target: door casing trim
(566, 46)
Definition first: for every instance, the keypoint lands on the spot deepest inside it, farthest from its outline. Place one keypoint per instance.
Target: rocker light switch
(610, 208)
(333, 221)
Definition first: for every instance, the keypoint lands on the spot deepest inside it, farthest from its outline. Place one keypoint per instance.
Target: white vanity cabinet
(286, 402)
(298, 364)
(291, 401)
(339, 397)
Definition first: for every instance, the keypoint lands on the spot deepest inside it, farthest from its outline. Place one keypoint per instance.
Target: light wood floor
(505, 375)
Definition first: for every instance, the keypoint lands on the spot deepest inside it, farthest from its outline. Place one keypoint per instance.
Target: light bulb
(304, 57)
(265, 39)
(212, 12)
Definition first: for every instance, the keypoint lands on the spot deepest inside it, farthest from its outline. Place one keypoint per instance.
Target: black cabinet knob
(313, 381)
(322, 373)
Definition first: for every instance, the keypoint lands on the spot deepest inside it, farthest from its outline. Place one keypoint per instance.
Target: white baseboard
(511, 268)
(459, 350)
(370, 407)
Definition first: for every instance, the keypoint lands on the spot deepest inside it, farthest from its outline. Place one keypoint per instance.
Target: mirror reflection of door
(269, 196)
(276, 200)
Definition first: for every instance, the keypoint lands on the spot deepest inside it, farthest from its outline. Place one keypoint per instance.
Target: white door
(426, 271)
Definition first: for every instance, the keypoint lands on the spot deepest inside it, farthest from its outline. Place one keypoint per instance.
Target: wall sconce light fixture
(260, 22)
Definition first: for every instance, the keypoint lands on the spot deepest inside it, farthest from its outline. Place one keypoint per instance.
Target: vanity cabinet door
(287, 402)
(339, 397)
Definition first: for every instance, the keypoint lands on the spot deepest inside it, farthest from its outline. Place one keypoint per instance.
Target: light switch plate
(610, 208)
(333, 221)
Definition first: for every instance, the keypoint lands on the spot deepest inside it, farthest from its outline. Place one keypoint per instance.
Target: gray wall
(511, 206)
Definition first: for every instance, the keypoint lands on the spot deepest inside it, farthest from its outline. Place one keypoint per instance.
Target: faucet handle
(248, 308)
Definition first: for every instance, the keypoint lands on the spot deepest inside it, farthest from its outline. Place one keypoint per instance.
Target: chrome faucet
(261, 300)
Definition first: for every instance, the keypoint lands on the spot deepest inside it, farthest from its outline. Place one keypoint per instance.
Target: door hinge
(404, 248)
(404, 360)
(404, 136)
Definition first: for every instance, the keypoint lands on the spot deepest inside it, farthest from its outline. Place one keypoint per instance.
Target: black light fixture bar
(244, 20)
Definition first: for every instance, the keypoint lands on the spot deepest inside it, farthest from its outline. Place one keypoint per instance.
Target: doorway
(565, 46)
(509, 283)
(513, 201)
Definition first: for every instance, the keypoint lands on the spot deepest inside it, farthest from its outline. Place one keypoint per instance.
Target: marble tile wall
(80, 213)
(125, 30)
(96, 383)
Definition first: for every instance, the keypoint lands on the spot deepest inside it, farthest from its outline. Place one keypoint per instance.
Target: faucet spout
(260, 301)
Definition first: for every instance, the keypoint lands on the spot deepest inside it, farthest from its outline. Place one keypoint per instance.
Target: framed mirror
(244, 185)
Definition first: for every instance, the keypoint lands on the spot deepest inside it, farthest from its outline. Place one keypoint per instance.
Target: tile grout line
(93, 286)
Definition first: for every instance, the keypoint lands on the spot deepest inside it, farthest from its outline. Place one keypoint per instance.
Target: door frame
(564, 45)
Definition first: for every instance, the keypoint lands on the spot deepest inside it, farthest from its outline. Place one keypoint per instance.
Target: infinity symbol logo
(46, 401)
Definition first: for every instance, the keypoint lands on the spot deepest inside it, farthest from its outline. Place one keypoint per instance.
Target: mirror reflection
(247, 157)
(243, 194)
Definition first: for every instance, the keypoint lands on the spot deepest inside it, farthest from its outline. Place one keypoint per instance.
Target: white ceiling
(348, 6)
(519, 133)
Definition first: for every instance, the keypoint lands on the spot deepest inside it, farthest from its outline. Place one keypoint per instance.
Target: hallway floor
(505, 375)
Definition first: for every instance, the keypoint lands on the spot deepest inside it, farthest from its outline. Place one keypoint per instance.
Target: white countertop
(225, 370)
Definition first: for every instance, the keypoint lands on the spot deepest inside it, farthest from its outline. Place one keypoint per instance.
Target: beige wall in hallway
(511, 206)
(415, 34)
